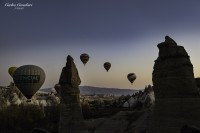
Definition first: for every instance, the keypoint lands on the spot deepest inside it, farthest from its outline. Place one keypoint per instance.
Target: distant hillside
(111, 91)
(98, 90)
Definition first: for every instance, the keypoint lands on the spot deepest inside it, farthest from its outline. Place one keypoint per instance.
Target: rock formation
(173, 72)
(197, 82)
(177, 101)
(71, 118)
(149, 97)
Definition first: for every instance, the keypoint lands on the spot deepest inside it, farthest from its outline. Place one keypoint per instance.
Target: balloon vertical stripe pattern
(107, 66)
(131, 77)
(84, 58)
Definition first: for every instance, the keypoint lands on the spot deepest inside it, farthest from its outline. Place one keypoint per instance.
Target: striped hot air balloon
(29, 79)
(131, 77)
(107, 66)
(84, 58)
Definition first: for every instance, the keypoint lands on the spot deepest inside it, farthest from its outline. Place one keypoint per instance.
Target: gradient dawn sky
(122, 32)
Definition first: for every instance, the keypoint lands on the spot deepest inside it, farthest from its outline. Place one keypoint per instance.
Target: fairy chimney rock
(71, 117)
(173, 71)
(177, 101)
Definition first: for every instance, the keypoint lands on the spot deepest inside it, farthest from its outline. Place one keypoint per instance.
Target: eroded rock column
(177, 101)
(71, 117)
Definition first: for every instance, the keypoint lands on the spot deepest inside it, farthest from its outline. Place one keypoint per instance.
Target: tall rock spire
(71, 117)
(69, 75)
(173, 71)
(177, 101)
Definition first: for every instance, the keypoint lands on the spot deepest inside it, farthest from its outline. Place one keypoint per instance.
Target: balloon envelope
(131, 77)
(29, 79)
(11, 70)
(84, 58)
(107, 66)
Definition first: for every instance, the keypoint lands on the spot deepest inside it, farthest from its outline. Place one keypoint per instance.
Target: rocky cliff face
(173, 72)
(177, 101)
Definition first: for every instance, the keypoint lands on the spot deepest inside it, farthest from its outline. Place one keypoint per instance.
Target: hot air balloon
(131, 77)
(29, 79)
(107, 65)
(11, 71)
(84, 58)
(57, 88)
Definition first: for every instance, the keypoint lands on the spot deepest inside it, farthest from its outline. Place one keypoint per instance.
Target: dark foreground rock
(177, 101)
(122, 122)
(190, 129)
(197, 82)
(39, 130)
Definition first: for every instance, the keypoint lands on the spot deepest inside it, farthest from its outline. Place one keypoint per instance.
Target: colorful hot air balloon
(11, 71)
(57, 88)
(84, 58)
(107, 66)
(131, 77)
(29, 79)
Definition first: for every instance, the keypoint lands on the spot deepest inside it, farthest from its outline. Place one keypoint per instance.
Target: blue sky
(123, 32)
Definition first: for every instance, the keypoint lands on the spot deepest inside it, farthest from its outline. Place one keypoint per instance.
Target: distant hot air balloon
(84, 58)
(11, 71)
(57, 88)
(29, 79)
(107, 65)
(131, 77)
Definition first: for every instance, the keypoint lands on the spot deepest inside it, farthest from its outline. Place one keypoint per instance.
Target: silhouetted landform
(39, 130)
(122, 122)
(90, 90)
(71, 117)
(43, 111)
(132, 121)
(177, 101)
(96, 106)
(173, 72)
(197, 82)
(190, 129)
(109, 91)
